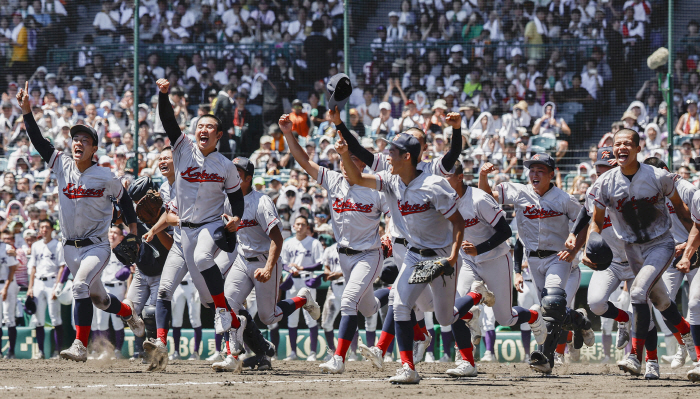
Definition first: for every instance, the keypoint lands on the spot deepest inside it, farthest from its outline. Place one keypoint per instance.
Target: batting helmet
(140, 187)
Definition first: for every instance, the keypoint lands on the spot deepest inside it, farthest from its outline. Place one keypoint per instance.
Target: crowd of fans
(525, 78)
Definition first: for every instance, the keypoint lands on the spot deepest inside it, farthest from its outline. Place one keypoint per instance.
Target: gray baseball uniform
(307, 252)
(694, 293)
(46, 260)
(9, 304)
(114, 287)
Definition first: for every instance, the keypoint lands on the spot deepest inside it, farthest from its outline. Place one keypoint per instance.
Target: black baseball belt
(541, 253)
(348, 251)
(47, 278)
(113, 284)
(184, 282)
(81, 242)
(256, 258)
(401, 241)
(190, 225)
(423, 252)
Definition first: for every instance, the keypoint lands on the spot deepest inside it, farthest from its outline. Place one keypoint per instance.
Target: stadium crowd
(526, 78)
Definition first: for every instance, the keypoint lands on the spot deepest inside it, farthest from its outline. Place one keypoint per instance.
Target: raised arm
(298, 153)
(355, 176)
(354, 146)
(484, 179)
(43, 146)
(166, 112)
(453, 119)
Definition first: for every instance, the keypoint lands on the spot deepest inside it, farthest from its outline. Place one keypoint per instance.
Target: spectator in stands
(317, 52)
(661, 119)
(690, 43)
(536, 33)
(688, 124)
(300, 119)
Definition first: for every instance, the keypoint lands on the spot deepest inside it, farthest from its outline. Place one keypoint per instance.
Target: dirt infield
(96, 379)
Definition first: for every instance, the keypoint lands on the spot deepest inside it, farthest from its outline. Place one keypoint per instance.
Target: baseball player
(204, 179)
(186, 294)
(114, 279)
(694, 294)
(673, 277)
(356, 213)
(606, 283)
(543, 212)
(85, 203)
(257, 266)
(45, 266)
(634, 197)
(8, 266)
(527, 293)
(486, 259)
(417, 200)
(379, 162)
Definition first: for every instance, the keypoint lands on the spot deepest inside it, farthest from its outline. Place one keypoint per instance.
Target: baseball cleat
(77, 352)
(694, 374)
(329, 356)
(558, 359)
(652, 370)
(526, 358)
(292, 356)
(487, 297)
(157, 353)
(474, 326)
(222, 320)
(264, 363)
(194, 356)
(215, 357)
(311, 357)
(464, 369)
(373, 354)
(352, 357)
(606, 360)
(117, 355)
(540, 363)
(235, 337)
(134, 321)
(420, 347)
(690, 346)
(488, 357)
(54, 355)
(630, 364)
(539, 328)
(405, 375)
(574, 354)
(333, 366)
(229, 364)
(623, 333)
(588, 334)
(388, 358)
(175, 356)
(680, 357)
(445, 359)
(311, 305)
(38, 355)
(429, 357)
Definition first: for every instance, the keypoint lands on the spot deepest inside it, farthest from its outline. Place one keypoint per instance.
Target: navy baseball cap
(408, 143)
(598, 251)
(84, 129)
(605, 154)
(245, 164)
(541, 159)
(339, 90)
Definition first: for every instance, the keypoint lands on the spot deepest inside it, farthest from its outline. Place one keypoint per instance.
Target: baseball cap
(598, 251)
(265, 139)
(50, 76)
(245, 164)
(29, 233)
(604, 155)
(106, 104)
(306, 197)
(84, 129)
(339, 89)
(259, 181)
(457, 48)
(384, 105)
(408, 143)
(393, 14)
(297, 102)
(541, 159)
(104, 159)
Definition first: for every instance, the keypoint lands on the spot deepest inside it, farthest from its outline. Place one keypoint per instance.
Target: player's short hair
(6, 231)
(303, 218)
(459, 169)
(420, 132)
(656, 162)
(217, 120)
(634, 134)
(414, 161)
(46, 221)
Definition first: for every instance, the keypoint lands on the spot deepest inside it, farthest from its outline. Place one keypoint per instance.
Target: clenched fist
(163, 85)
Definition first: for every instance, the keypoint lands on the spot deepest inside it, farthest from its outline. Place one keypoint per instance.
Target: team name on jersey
(192, 176)
(74, 191)
(340, 206)
(247, 223)
(607, 222)
(305, 253)
(670, 207)
(49, 256)
(471, 222)
(533, 212)
(407, 209)
(622, 202)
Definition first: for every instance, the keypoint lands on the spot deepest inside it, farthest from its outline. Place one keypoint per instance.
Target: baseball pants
(648, 262)
(496, 274)
(42, 295)
(605, 286)
(185, 293)
(331, 308)
(425, 301)
(292, 319)
(86, 264)
(572, 284)
(694, 304)
(118, 289)
(240, 282)
(174, 271)
(360, 271)
(225, 260)
(549, 272)
(198, 246)
(406, 294)
(9, 305)
(528, 297)
(251, 303)
(143, 290)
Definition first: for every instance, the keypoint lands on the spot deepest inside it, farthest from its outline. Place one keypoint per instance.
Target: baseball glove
(428, 270)
(149, 207)
(387, 248)
(128, 250)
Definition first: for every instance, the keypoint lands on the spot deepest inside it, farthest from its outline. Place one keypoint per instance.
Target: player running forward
(258, 267)
(634, 197)
(45, 266)
(204, 178)
(673, 277)
(543, 213)
(486, 259)
(85, 203)
(440, 166)
(356, 213)
(424, 210)
(694, 292)
(605, 282)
